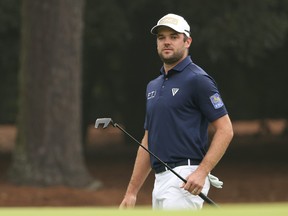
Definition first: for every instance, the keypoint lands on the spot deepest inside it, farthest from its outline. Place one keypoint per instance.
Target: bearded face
(173, 57)
(172, 46)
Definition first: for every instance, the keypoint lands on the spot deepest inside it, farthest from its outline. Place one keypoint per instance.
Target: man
(181, 102)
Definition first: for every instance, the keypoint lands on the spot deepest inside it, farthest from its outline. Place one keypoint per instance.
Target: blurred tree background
(48, 150)
(242, 44)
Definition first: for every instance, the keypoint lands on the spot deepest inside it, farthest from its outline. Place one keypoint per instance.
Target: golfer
(181, 103)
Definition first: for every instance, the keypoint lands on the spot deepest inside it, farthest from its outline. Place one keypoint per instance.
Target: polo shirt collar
(178, 68)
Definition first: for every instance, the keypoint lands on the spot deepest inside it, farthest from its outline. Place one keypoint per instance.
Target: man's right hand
(129, 201)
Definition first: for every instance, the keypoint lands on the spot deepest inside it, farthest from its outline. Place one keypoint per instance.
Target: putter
(107, 121)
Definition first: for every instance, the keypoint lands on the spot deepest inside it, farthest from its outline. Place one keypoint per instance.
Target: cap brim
(154, 30)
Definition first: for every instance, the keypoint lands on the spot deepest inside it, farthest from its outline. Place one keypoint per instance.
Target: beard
(172, 59)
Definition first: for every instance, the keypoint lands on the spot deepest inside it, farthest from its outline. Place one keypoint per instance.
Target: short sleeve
(208, 98)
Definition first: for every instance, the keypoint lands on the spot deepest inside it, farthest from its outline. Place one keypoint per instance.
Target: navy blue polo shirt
(179, 107)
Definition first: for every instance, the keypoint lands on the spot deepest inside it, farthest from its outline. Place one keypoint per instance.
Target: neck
(168, 67)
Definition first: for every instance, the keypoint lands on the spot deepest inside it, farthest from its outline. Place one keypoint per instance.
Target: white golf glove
(215, 181)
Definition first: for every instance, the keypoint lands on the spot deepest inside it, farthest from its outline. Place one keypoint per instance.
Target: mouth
(167, 50)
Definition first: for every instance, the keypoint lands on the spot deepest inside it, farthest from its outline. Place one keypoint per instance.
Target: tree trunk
(48, 149)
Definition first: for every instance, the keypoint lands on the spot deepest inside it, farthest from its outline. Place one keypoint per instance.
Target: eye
(174, 36)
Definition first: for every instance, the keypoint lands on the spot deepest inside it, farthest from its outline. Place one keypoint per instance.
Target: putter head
(103, 121)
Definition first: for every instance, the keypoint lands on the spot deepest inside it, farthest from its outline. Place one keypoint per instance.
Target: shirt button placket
(163, 85)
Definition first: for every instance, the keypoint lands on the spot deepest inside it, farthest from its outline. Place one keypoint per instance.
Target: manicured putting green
(277, 209)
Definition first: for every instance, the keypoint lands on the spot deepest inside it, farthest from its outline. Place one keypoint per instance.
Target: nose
(167, 41)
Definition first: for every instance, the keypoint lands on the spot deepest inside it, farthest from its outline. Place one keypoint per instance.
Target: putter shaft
(107, 121)
(203, 196)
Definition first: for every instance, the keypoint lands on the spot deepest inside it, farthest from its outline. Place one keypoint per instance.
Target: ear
(188, 42)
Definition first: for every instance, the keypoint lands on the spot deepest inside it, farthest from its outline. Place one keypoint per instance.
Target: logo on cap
(168, 20)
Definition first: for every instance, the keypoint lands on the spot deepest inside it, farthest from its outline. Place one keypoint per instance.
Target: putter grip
(208, 200)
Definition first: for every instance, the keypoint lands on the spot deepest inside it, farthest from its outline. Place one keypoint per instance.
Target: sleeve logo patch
(216, 101)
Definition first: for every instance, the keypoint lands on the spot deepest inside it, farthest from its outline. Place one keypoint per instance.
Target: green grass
(277, 209)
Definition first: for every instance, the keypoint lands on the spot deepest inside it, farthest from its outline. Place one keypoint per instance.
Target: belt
(162, 168)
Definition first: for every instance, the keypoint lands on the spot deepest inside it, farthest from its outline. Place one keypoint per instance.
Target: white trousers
(168, 194)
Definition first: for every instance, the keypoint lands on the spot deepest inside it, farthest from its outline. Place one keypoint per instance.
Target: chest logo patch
(216, 101)
(151, 95)
(174, 91)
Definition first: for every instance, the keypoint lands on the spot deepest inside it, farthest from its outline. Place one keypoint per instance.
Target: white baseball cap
(173, 21)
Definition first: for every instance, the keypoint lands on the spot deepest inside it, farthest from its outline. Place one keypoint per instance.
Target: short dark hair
(185, 37)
